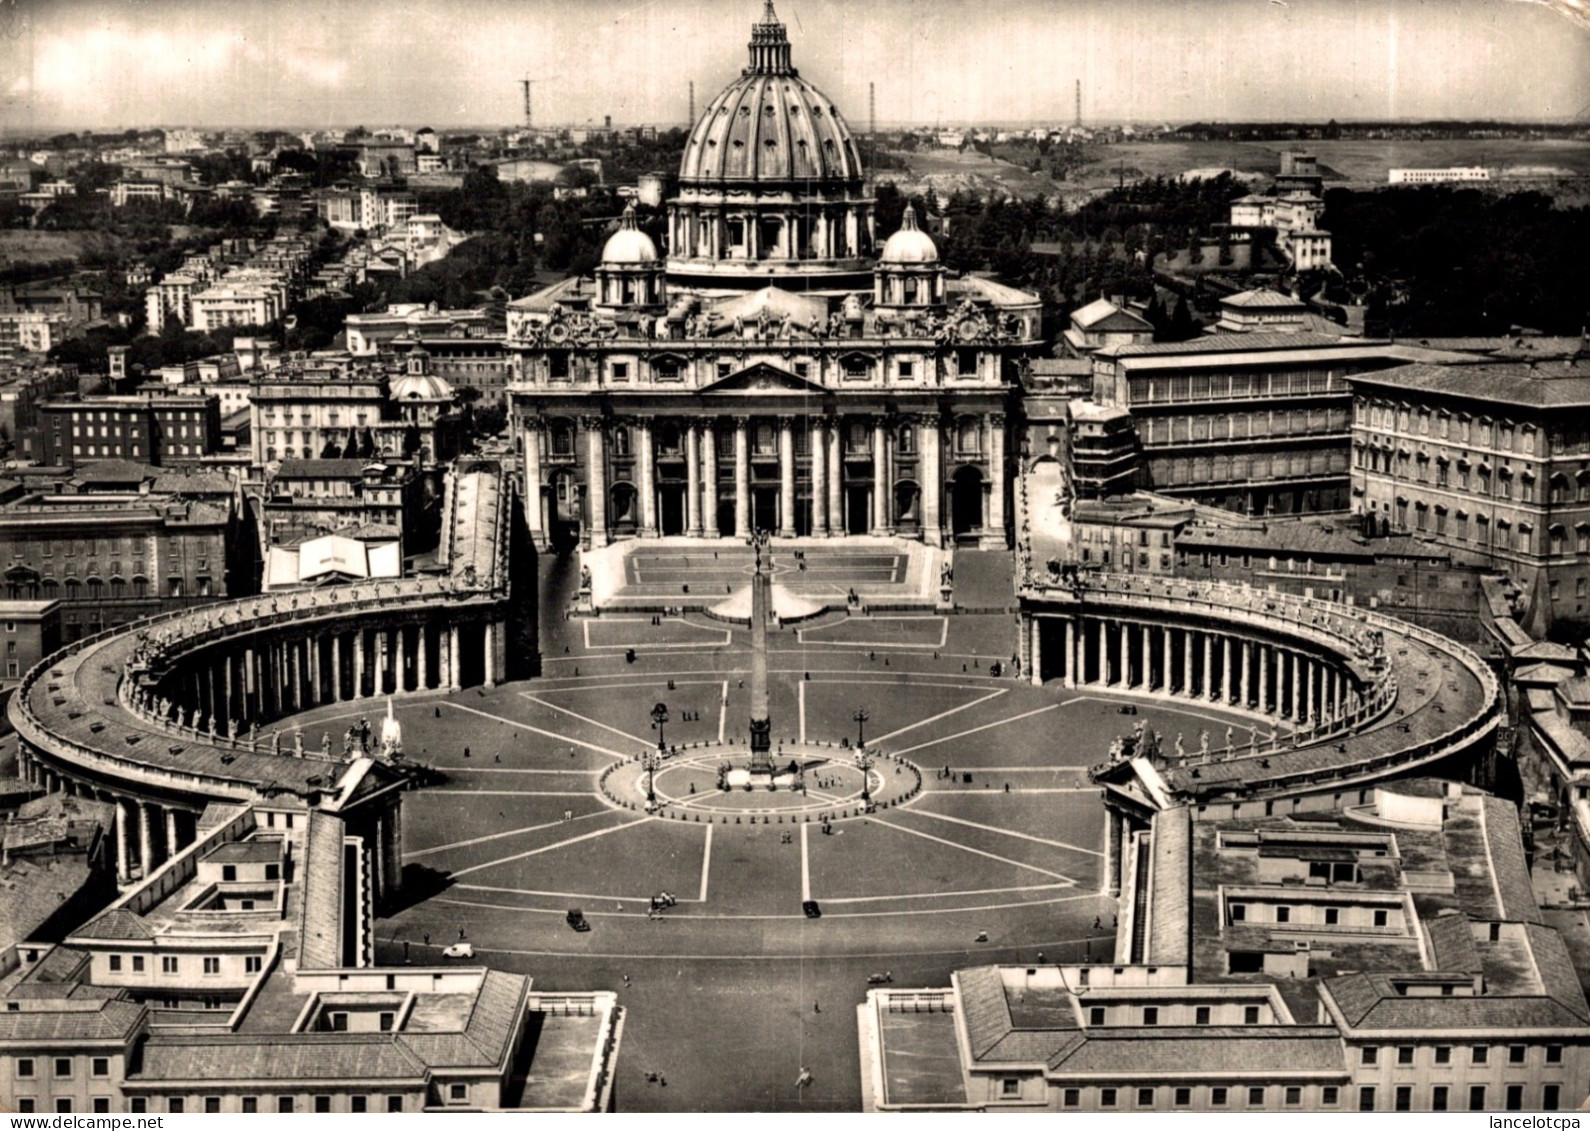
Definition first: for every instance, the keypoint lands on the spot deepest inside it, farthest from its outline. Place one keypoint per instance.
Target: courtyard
(733, 989)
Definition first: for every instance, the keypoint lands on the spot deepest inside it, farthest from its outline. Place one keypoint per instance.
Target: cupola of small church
(631, 274)
(908, 273)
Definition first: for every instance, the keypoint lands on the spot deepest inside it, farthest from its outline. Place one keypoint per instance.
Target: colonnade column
(786, 477)
(1147, 659)
(1225, 670)
(1186, 661)
(1265, 660)
(146, 849)
(596, 479)
(123, 872)
(358, 663)
(171, 833)
(1035, 652)
(742, 477)
(930, 477)
(1071, 652)
(251, 704)
(1295, 702)
(452, 657)
(1308, 689)
(1165, 660)
(1206, 689)
(647, 459)
(819, 463)
(336, 667)
(692, 480)
(532, 479)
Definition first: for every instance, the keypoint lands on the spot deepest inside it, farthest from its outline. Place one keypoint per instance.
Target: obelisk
(761, 724)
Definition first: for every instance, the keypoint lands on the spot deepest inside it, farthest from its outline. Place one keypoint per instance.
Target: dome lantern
(769, 45)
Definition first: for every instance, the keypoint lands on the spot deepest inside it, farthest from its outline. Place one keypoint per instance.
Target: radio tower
(692, 121)
(527, 83)
(1079, 104)
(872, 111)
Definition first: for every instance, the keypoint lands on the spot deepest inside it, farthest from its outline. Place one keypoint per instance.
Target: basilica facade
(776, 370)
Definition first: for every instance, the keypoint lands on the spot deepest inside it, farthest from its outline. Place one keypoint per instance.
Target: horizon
(106, 65)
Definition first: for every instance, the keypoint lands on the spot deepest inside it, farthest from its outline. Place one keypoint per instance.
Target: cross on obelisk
(761, 723)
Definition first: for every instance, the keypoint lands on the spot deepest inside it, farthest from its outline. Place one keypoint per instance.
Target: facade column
(531, 433)
(336, 667)
(646, 458)
(930, 478)
(315, 691)
(880, 474)
(709, 480)
(692, 480)
(1293, 699)
(250, 686)
(1071, 652)
(836, 478)
(596, 479)
(786, 476)
(489, 636)
(996, 476)
(819, 465)
(742, 477)
(123, 811)
(146, 847)
(400, 678)
(294, 677)
(422, 661)
(452, 657)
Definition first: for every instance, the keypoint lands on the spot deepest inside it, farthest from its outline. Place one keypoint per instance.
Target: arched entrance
(966, 503)
(564, 511)
(624, 508)
(764, 508)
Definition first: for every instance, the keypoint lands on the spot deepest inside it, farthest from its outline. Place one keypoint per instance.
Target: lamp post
(649, 762)
(659, 718)
(861, 716)
(864, 763)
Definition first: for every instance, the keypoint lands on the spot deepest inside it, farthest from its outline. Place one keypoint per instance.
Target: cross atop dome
(769, 45)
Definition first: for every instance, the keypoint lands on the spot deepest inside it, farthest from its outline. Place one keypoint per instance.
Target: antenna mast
(692, 121)
(529, 119)
(1079, 104)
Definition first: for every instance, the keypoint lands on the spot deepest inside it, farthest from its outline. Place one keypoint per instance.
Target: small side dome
(910, 244)
(629, 244)
(420, 386)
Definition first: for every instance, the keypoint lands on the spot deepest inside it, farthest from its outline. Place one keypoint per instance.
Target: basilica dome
(420, 386)
(770, 124)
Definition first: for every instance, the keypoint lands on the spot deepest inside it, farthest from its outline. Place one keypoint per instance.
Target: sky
(117, 64)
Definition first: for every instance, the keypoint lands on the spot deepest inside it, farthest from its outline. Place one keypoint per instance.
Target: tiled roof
(982, 1000)
(1370, 1001)
(1509, 870)
(1251, 1051)
(1238, 343)
(317, 1056)
(1170, 919)
(1555, 967)
(320, 879)
(1452, 944)
(117, 923)
(114, 1020)
(324, 468)
(1262, 299)
(1551, 384)
(487, 1034)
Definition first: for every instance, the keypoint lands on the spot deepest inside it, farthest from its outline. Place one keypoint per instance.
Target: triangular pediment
(763, 377)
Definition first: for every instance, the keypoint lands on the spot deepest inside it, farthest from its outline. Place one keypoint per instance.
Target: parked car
(811, 909)
(459, 950)
(576, 919)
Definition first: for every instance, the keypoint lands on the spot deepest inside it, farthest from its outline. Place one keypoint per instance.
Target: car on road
(459, 950)
(811, 909)
(576, 919)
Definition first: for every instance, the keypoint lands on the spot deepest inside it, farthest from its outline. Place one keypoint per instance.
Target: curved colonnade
(169, 714)
(1336, 697)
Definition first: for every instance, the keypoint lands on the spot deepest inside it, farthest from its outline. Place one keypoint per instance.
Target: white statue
(391, 734)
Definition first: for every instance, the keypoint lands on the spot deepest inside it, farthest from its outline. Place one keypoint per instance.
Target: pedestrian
(1098, 924)
(1007, 787)
(427, 938)
(1040, 958)
(817, 1007)
(438, 712)
(405, 950)
(466, 751)
(496, 758)
(460, 934)
(626, 979)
